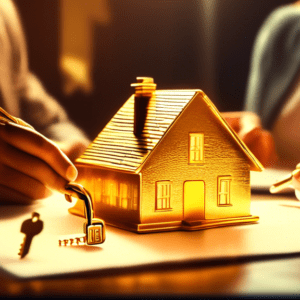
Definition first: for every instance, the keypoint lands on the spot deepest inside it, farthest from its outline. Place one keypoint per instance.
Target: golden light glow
(194, 200)
(185, 166)
(76, 21)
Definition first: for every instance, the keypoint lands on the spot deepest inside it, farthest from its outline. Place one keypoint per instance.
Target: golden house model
(168, 161)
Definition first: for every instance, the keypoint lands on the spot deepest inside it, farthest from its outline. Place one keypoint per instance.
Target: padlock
(95, 232)
(93, 228)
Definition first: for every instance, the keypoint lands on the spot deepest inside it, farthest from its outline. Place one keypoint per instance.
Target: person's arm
(275, 64)
(23, 94)
(31, 164)
(48, 117)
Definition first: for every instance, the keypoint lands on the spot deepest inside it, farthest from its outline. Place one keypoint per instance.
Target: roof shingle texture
(117, 147)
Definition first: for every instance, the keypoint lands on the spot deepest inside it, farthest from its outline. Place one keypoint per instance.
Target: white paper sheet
(262, 181)
(277, 232)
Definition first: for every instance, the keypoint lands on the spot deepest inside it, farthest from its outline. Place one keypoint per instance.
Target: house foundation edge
(175, 225)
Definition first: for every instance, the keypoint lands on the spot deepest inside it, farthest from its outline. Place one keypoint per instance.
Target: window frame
(194, 151)
(228, 179)
(163, 198)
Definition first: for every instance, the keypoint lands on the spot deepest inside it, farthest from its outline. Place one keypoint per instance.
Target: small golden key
(93, 228)
(284, 183)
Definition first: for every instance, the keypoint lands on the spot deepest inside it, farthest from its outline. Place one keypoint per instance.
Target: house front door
(193, 200)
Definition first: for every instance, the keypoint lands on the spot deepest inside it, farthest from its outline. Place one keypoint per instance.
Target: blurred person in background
(271, 118)
(273, 90)
(33, 160)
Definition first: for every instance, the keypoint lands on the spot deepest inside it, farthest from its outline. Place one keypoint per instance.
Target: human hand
(248, 127)
(296, 181)
(290, 181)
(73, 149)
(30, 165)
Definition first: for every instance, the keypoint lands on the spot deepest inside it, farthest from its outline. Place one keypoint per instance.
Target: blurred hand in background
(248, 127)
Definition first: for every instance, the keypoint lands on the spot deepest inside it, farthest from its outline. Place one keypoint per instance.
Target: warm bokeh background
(88, 52)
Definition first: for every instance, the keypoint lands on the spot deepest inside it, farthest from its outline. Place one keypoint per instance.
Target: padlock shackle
(82, 194)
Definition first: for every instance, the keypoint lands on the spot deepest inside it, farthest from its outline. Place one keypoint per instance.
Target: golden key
(94, 229)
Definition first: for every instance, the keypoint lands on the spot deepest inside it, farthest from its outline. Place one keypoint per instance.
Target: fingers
(296, 180)
(9, 196)
(31, 166)
(251, 136)
(249, 124)
(249, 129)
(73, 150)
(23, 184)
(35, 144)
(263, 147)
(242, 122)
(233, 119)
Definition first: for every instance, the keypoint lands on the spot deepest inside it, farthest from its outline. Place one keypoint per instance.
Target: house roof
(117, 147)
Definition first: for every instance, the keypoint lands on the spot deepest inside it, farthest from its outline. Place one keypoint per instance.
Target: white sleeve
(45, 114)
(23, 94)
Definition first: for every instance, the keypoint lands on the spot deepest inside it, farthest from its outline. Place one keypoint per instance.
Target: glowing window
(129, 196)
(163, 195)
(196, 153)
(105, 192)
(113, 192)
(135, 197)
(224, 190)
(124, 195)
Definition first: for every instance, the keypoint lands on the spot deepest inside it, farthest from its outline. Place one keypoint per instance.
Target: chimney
(144, 88)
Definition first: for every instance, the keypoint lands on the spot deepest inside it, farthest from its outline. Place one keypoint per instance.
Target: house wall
(115, 194)
(169, 161)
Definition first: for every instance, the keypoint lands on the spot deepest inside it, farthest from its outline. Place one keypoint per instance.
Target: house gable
(224, 129)
(169, 162)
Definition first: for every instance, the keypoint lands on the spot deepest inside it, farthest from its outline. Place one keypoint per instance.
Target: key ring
(93, 228)
(82, 194)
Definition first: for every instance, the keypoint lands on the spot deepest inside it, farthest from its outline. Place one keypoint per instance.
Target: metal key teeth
(21, 249)
(72, 241)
